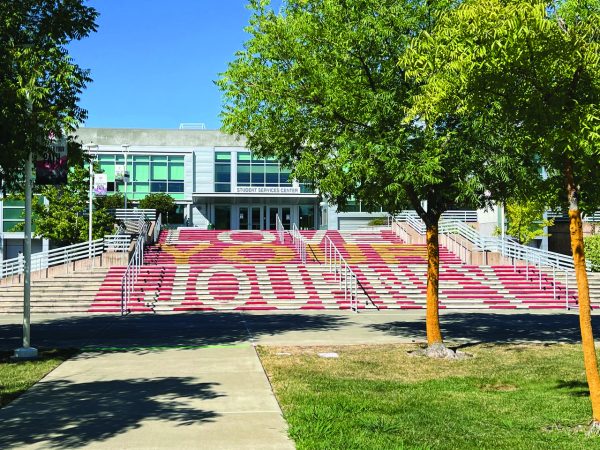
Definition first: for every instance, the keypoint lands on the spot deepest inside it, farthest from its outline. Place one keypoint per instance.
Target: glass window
(243, 175)
(141, 187)
(139, 158)
(13, 213)
(222, 217)
(176, 171)
(272, 175)
(141, 171)
(257, 159)
(258, 175)
(222, 173)
(176, 159)
(243, 156)
(175, 187)
(222, 156)
(222, 187)
(158, 158)
(106, 158)
(158, 187)
(159, 171)
(284, 178)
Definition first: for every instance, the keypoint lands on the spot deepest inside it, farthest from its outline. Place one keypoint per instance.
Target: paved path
(194, 380)
(208, 398)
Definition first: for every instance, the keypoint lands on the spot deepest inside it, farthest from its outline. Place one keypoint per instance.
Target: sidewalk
(205, 398)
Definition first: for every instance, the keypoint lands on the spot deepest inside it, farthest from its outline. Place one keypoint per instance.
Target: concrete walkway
(194, 381)
(206, 398)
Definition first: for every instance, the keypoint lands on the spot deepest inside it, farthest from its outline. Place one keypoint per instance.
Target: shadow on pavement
(70, 415)
(193, 329)
(501, 328)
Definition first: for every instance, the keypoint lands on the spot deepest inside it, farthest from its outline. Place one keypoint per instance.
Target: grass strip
(505, 397)
(18, 376)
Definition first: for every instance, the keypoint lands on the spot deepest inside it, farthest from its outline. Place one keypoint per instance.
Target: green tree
(113, 201)
(526, 220)
(532, 67)
(39, 83)
(319, 87)
(63, 218)
(163, 204)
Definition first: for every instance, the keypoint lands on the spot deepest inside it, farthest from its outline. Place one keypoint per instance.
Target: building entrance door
(251, 217)
(285, 214)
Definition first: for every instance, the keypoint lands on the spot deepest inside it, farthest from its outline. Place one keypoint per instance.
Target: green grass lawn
(379, 397)
(17, 377)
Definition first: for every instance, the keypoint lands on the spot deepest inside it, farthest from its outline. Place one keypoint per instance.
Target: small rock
(329, 355)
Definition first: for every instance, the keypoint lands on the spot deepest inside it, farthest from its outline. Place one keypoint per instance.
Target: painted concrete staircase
(196, 270)
(68, 293)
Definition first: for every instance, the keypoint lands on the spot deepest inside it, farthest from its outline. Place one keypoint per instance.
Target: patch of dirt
(498, 387)
(440, 351)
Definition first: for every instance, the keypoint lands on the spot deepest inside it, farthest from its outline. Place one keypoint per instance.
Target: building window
(148, 173)
(222, 171)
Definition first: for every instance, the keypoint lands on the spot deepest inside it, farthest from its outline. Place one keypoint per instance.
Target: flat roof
(158, 137)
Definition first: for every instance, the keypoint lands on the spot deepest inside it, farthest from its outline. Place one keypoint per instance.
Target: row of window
(251, 171)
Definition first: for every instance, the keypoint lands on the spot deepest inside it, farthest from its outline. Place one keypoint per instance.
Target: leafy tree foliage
(592, 251)
(113, 201)
(526, 220)
(63, 218)
(533, 67)
(163, 204)
(319, 87)
(39, 83)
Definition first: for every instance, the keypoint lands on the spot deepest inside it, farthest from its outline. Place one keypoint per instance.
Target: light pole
(89, 147)
(125, 174)
(27, 352)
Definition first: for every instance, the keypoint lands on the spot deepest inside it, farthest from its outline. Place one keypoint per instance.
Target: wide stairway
(197, 270)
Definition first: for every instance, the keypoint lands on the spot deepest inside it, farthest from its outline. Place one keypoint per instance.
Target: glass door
(273, 211)
(244, 218)
(257, 218)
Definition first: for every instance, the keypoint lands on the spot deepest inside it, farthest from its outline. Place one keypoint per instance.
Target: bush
(378, 221)
(163, 204)
(592, 251)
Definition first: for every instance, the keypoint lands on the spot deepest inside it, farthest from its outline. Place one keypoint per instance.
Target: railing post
(566, 290)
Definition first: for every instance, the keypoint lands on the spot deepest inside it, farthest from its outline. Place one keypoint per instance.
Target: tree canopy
(320, 87)
(533, 67)
(162, 202)
(39, 83)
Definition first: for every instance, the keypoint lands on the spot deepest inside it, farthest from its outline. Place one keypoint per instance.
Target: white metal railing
(117, 242)
(300, 243)
(279, 228)
(133, 214)
(63, 255)
(342, 272)
(157, 228)
(133, 269)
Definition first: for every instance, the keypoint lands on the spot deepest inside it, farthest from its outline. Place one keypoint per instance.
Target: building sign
(268, 190)
(100, 184)
(53, 169)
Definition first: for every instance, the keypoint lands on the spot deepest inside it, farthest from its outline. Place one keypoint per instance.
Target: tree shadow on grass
(189, 329)
(62, 414)
(498, 328)
(575, 388)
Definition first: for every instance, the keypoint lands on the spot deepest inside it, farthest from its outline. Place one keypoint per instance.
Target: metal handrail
(54, 257)
(339, 267)
(133, 269)
(157, 228)
(506, 248)
(280, 229)
(300, 242)
(133, 214)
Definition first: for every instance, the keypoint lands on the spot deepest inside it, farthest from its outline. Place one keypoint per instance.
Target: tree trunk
(585, 316)
(434, 333)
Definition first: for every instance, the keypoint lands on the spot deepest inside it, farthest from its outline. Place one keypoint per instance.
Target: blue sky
(154, 62)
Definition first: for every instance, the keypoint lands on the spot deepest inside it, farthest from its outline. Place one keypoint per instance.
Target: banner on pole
(119, 172)
(100, 184)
